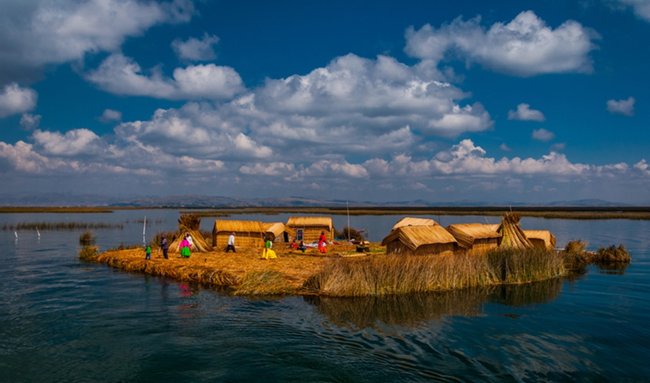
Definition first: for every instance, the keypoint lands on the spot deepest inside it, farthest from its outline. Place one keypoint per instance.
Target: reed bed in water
(640, 213)
(387, 275)
(60, 226)
(523, 266)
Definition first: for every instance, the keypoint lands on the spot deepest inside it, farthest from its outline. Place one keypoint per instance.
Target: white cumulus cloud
(624, 107)
(543, 135)
(109, 115)
(72, 143)
(525, 46)
(194, 49)
(15, 100)
(35, 33)
(524, 113)
(121, 75)
(30, 121)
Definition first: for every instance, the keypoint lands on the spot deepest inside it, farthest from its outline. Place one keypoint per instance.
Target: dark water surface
(63, 320)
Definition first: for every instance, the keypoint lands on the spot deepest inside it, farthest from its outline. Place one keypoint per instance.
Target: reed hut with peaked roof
(542, 239)
(476, 238)
(277, 231)
(247, 233)
(420, 240)
(411, 221)
(308, 229)
(189, 224)
(512, 237)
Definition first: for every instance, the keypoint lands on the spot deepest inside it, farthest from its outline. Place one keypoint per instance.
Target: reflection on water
(613, 268)
(413, 310)
(530, 293)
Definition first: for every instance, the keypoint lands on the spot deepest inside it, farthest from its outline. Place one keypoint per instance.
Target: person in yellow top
(268, 253)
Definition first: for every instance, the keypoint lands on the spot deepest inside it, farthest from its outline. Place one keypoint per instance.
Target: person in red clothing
(322, 240)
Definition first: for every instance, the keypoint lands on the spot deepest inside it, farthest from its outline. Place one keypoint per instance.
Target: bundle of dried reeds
(187, 222)
(512, 237)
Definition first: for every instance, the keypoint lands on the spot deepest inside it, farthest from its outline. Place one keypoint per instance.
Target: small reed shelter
(541, 239)
(411, 221)
(247, 233)
(476, 238)
(512, 237)
(308, 229)
(420, 240)
(189, 224)
(277, 231)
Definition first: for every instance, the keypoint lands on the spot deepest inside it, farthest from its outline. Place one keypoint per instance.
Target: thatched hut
(477, 238)
(247, 233)
(420, 240)
(411, 221)
(198, 242)
(542, 239)
(277, 231)
(189, 224)
(512, 237)
(308, 229)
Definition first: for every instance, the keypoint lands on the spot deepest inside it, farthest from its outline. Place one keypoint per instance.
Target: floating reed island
(417, 256)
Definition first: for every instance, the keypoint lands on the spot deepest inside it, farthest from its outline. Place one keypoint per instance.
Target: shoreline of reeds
(54, 226)
(371, 275)
(578, 213)
(555, 212)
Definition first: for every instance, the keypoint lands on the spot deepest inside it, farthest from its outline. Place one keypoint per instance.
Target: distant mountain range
(203, 201)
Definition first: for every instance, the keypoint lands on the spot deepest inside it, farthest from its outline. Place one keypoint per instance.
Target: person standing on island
(322, 240)
(147, 252)
(185, 248)
(231, 243)
(268, 253)
(164, 246)
(190, 240)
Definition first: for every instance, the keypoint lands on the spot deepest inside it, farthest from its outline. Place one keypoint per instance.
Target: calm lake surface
(64, 320)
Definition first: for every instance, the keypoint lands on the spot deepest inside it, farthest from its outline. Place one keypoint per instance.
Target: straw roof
(467, 233)
(275, 228)
(474, 230)
(542, 235)
(411, 221)
(416, 236)
(222, 225)
(310, 221)
(511, 234)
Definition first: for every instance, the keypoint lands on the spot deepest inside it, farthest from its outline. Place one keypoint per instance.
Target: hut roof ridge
(416, 236)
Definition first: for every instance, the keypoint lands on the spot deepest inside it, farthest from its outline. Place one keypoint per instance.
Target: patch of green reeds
(612, 254)
(87, 238)
(88, 252)
(575, 256)
(388, 275)
(267, 282)
(60, 226)
(524, 266)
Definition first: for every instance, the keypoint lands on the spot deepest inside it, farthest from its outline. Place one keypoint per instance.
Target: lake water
(64, 320)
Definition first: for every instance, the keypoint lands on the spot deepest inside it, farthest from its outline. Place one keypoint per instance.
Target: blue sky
(530, 101)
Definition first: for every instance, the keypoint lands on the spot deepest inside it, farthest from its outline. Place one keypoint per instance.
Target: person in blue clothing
(165, 247)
